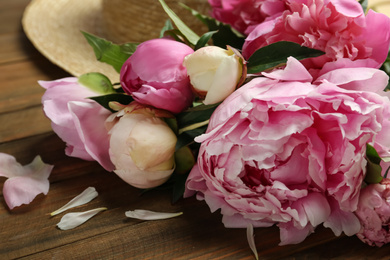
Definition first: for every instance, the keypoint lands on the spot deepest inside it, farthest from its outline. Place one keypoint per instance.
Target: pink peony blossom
(154, 75)
(24, 183)
(283, 150)
(77, 120)
(374, 214)
(142, 146)
(337, 27)
(245, 15)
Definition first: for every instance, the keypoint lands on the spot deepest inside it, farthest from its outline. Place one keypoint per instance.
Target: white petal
(386, 159)
(150, 215)
(251, 240)
(75, 219)
(86, 196)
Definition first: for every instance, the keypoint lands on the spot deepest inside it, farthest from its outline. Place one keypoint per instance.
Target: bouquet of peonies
(278, 115)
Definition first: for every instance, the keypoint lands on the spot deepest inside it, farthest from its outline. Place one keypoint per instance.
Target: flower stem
(193, 126)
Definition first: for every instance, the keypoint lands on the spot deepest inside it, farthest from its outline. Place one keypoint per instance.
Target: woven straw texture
(54, 26)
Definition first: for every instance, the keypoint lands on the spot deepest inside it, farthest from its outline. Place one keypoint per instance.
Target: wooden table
(28, 232)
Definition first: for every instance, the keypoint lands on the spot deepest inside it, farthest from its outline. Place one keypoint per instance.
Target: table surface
(28, 232)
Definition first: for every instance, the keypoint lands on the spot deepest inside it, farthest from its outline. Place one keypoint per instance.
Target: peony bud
(142, 147)
(214, 72)
(154, 75)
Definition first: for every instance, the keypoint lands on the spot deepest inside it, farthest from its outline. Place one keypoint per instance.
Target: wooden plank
(16, 47)
(21, 124)
(52, 150)
(11, 15)
(19, 87)
(29, 232)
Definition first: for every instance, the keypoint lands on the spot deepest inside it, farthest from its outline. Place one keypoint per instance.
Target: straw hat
(380, 6)
(54, 26)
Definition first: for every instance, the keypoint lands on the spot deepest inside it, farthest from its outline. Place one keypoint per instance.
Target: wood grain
(28, 232)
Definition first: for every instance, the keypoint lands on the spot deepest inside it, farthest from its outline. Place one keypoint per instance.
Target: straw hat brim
(54, 28)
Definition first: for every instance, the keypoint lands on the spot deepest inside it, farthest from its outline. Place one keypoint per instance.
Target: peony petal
(75, 219)
(9, 167)
(341, 221)
(150, 215)
(89, 119)
(86, 196)
(251, 240)
(25, 182)
(316, 208)
(289, 234)
(360, 79)
(23, 190)
(294, 71)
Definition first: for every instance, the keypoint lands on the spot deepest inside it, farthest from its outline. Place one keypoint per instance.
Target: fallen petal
(75, 219)
(86, 196)
(150, 215)
(24, 182)
(251, 240)
(9, 167)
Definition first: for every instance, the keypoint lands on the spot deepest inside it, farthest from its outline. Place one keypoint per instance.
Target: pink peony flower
(374, 214)
(77, 120)
(24, 183)
(142, 146)
(245, 15)
(337, 27)
(154, 75)
(283, 150)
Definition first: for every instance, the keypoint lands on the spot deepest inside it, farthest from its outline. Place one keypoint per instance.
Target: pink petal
(348, 8)
(378, 38)
(316, 208)
(342, 221)
(289, 234)
(27, 183)
(89, 120)
(172, 99)
(360, 79)
(294, 71)
(9, 167)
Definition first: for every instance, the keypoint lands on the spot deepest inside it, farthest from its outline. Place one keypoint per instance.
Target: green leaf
(191, 36)
(364, 4)
(128, 48)
(110, 53)
(97, 82)
(175, 34)
(225, 35)
(167, 27)
(179, 186)
(372, 154)
(374, 173)
(277, 53)
(106, 99)
(204, 40)
(172, 123)
(374, 170)
(184, 159)
(187, 138)
(195, 115)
